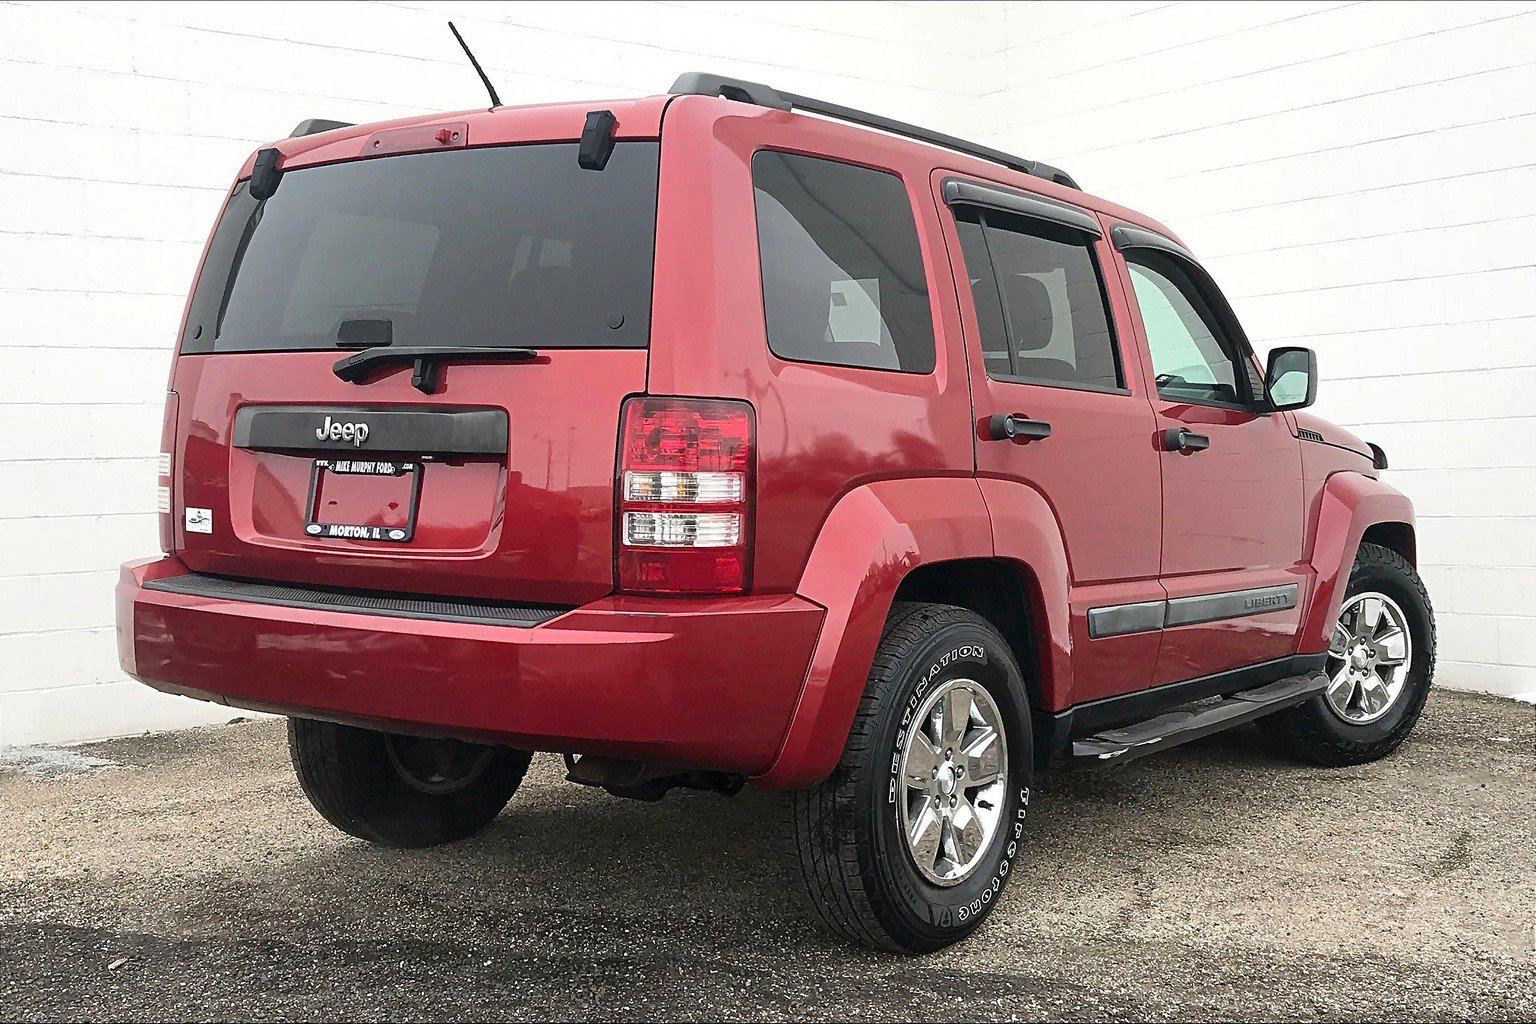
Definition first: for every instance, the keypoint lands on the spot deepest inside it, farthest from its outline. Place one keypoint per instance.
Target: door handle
(1177, 439)
(1016, 426)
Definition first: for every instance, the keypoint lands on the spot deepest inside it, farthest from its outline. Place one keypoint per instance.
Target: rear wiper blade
(424, 361)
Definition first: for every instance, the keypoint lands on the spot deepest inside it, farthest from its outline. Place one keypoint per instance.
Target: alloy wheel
(954, 767)
(1369, 657)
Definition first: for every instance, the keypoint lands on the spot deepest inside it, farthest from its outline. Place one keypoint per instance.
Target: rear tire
(872, 869)
(1349, 729)
(403, 791)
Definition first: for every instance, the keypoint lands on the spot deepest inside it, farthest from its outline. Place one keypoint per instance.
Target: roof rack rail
(696, 83)
(316, 125)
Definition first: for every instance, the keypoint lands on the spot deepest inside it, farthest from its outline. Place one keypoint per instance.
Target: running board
(1177, 727)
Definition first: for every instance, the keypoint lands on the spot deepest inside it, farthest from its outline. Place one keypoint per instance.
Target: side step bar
(1177, 727)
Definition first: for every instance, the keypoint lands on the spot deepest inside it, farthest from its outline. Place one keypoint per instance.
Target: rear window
(515, 246)
(842, 270)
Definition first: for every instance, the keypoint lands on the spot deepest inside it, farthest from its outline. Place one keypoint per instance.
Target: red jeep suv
(730, 435)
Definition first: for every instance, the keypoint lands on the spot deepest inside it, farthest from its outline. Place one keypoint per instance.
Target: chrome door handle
(1177, 439)
(1016, 426)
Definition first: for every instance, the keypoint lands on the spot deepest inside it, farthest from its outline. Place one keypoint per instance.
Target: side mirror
(1291, 380)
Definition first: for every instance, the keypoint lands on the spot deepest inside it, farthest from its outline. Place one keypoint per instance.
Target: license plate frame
(313, 527)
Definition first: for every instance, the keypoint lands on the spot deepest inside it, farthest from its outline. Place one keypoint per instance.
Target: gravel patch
(1216, 881)
(50, 763)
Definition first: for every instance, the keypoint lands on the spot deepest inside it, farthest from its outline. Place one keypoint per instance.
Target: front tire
(1381, 660)
(405, 791)
(907, 846)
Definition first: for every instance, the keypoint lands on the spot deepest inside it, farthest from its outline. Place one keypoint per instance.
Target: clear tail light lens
(686, 488)
(166, 492)
(682, 529)
(685, 496)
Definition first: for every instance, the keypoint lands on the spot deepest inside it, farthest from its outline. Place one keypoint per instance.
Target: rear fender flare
(1350, 503)
(1025, 530)
(874, 536)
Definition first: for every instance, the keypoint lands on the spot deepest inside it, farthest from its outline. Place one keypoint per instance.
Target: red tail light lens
(685, 496)
(166, 468)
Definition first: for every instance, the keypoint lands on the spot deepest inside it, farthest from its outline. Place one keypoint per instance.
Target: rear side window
(1039, 301)
(842, 269)
(515, 246)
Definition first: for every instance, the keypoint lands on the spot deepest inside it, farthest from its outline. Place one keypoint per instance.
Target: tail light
(685, 496)
(166, 492)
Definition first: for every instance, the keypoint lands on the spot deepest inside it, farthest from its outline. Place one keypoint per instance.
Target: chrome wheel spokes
(1338, 647)
(1369, 656)
(981, 759)
(954, 768)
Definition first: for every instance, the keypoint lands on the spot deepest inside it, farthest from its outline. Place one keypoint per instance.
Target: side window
(842, 269)
(989, 306)
(1039, 301)
(1193, 356)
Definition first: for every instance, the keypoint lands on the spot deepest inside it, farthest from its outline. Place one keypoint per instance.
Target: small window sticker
(855, 312)
(199, 520)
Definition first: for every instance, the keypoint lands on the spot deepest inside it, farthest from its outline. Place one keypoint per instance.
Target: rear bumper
(700, 683)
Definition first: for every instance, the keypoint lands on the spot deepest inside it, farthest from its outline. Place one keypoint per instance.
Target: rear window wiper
(360, 367)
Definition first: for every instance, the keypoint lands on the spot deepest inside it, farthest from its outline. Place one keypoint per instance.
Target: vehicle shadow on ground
(698, 870)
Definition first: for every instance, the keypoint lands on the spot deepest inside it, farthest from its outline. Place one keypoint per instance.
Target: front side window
(1193, 357)
(1039, 302)
(513, 246)
(842, 269)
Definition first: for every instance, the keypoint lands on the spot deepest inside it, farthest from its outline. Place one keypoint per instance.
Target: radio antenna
(495, 100)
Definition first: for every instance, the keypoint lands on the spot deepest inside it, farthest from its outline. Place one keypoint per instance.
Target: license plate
(364, 499)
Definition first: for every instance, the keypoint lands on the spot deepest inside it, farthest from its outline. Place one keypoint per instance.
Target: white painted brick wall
(123, 125)
(1359, 178)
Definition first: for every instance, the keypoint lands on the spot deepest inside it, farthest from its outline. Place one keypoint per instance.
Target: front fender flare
(1349, 504)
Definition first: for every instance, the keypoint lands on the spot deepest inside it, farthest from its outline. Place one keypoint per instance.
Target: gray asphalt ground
(192, 881)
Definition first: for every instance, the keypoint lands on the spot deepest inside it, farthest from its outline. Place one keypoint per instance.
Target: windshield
(516, 246)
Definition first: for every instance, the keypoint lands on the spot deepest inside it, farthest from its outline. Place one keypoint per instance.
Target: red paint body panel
(1237, 506)
(1206, 648)
(1336, 437)
(1097, 479)
(1347, 504)
(503, 126)
(861, 476)
(1025, 532)
(1232, 520)
(709, 684)
(1343, 497)
(822, 430)
(874, 537)
(535, 525)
